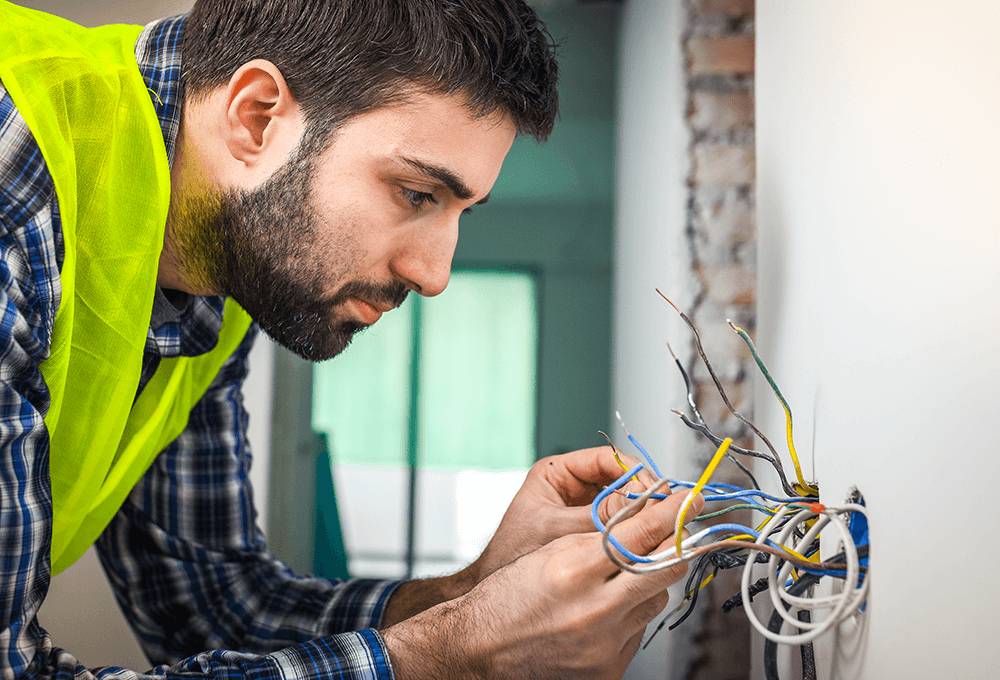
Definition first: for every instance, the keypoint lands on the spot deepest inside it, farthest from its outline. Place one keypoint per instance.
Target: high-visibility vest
(85, 102)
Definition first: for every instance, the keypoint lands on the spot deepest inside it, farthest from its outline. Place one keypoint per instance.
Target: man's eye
(418, 198)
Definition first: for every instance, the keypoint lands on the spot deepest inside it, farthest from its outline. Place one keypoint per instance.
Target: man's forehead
(434, 137)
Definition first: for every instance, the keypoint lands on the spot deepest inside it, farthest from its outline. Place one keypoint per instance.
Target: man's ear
(262, 118)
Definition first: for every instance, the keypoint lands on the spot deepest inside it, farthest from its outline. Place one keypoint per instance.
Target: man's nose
(425, 263)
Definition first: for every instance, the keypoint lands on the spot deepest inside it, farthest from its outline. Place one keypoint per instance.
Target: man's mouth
(366, 312)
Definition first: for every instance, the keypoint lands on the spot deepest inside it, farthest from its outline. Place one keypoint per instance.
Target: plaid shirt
(184, 556)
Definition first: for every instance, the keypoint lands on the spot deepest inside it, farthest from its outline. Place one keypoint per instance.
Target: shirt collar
(158, 53)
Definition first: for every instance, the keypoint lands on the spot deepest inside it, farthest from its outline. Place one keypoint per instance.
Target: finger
(579, 476)
(649, 528)
(572, 520)
(654, 582)
(618, 500)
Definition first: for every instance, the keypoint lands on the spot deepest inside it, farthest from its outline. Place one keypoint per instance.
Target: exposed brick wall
(719, 50)
(719, 44)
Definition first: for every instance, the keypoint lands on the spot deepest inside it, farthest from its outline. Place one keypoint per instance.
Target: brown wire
(725, 398)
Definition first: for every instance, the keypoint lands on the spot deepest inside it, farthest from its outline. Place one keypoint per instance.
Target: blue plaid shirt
(184, 555)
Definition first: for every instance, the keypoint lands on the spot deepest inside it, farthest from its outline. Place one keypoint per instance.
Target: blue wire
(748, 494)
(652, 465)
(710, 487)
(741, 492)
(618, 483)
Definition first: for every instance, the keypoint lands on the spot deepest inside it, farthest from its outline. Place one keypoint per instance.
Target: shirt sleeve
(30, 252)
(189, 565)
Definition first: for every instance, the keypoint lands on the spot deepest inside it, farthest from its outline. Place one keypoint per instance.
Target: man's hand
(554, 501)
(562, 611)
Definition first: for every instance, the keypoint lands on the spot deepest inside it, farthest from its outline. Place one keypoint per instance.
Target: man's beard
(261, 247)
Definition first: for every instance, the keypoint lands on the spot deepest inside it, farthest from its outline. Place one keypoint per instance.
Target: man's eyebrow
(442, 175)
(481, 201)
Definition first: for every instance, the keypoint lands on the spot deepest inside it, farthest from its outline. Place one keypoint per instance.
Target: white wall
(649, 242)
(877, 148)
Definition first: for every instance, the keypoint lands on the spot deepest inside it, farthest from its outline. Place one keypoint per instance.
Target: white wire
(853, 596)
(775, 589)
(843, 605)
(809, 602)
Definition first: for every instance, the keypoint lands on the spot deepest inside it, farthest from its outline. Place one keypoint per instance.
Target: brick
(725, 219)
(729, 285)
(711, 112)
(718, 630)
(722, 164)
(725, 55)
(734, 9)
(728, 354)
(714, 410)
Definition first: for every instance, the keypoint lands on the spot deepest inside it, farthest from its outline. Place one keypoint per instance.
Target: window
(452, 434)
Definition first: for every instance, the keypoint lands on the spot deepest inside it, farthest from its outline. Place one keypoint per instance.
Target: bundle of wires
(787, 539)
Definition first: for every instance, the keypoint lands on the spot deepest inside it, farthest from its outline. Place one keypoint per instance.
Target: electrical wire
(733, 508)
(785, 517)
(715, 439)
(774, 625)
(667, 559)
(705, 476)
(809, 489)
(645, 455)
(701, 420)
(738, 491)
(786, 542)
(844, 605)
(722, 392)
(689, 389)
(614, 450)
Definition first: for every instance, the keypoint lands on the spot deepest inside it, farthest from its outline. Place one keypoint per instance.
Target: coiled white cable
(843, 604)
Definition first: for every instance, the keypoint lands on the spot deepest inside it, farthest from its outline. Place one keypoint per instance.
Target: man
(304, 164)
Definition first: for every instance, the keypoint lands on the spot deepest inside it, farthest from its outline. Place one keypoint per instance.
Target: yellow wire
(793, 553)
(690, 593)
(623, 466)
(802, 487)
(705, 476)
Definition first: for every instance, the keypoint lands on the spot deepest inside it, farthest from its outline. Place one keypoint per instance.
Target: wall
(685, 224)
(650, 223)
(877, 147)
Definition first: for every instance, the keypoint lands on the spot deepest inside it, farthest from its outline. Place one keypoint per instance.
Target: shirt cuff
(358, 604)
(352, 656)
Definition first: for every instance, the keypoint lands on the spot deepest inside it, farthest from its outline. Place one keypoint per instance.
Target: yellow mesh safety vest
(82, 96)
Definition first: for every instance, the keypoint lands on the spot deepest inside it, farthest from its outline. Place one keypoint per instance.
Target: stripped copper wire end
(621, 463)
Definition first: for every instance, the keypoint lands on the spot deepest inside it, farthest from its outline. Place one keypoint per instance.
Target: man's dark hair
(342, 58)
